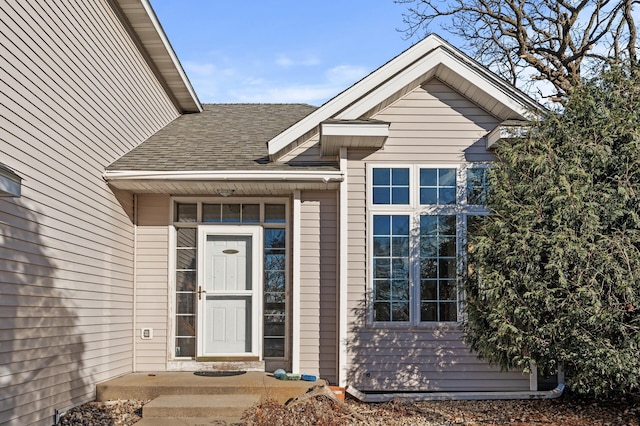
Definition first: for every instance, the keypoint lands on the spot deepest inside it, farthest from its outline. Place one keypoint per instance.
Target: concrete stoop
(191, 421)
(186, 399)
(195, 410)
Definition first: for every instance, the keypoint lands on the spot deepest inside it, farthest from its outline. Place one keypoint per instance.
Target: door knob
(200, 291)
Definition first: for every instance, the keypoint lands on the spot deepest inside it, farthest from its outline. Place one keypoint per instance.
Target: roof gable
(432, 57)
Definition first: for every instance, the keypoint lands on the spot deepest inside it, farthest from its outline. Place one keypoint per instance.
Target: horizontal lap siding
(152, 287)
(75, 95)
(318, 272)
(434, 124)
(430, 125)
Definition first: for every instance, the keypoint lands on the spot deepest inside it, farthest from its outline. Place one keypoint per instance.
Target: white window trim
(171, 331)
(414, 210)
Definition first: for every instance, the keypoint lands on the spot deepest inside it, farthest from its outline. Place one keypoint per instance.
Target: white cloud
(345, 74)
(285, 61)
(235, 82)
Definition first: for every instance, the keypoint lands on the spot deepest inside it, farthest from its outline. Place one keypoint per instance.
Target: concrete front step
(204, 406)
(148, 386)
(191, 421)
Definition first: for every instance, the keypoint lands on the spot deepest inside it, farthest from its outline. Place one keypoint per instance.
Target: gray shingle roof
(222, 137)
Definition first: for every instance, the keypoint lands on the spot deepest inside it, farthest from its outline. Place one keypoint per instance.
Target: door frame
(255, 232)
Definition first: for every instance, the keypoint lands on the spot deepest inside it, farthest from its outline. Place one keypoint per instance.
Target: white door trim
(255, 232)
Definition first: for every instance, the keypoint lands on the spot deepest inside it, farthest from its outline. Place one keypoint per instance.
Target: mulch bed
(321, 410)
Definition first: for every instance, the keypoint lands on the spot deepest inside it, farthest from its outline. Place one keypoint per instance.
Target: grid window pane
(391, 186)
(186, 237)
(274, 287)
(381, 177)
(186, 258)
(186, 280)
(428, 311)
(391, 268)
(231, 213)
(438, 186)
(211, 213)
(250, 213)
(186, 347)
(382, 311)
(186, 212)
(274, 347)
(274, 213)
(438, 268)
(477, 186)
(186, 271)
(185, 326)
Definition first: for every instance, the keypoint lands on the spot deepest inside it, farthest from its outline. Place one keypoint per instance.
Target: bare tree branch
(557, 40)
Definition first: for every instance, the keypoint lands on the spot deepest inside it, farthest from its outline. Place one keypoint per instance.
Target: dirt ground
(323, 411)
(565, 411)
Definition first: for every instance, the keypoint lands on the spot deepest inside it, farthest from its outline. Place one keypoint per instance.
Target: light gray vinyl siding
(309, 151)
(432, 124)
(152, 287)
(318, 275)
(75, 95)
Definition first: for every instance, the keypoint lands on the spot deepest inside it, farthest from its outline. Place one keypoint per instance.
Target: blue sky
(280, 50)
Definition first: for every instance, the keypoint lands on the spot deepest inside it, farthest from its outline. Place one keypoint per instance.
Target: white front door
(228, 291)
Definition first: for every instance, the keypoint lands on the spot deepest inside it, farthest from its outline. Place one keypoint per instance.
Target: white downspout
(343, 252)
(295, 296)
(455, 396)
(445, 396)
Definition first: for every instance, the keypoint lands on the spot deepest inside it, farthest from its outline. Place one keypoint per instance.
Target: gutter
(327, 176)
(455, 396)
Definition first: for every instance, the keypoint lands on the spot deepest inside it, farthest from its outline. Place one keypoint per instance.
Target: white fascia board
(159, 31)
(455, 63)
(355, 129)
(355, 92)
(399, 72)
(325, 176)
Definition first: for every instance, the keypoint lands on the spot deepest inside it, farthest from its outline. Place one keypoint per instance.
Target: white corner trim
(295, 291)
(343, 253)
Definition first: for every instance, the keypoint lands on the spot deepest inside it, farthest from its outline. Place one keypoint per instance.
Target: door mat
(219, 373)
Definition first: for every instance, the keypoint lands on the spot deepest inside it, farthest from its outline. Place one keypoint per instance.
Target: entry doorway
(229, 292)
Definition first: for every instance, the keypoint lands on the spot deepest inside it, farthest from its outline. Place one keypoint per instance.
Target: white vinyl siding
(432, 124)
(76, 95)
(318, 274)
(152, 287)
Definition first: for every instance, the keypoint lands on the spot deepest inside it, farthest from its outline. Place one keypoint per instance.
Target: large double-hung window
(417, 228)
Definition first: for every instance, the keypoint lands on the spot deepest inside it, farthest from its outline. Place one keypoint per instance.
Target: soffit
(146, 30)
